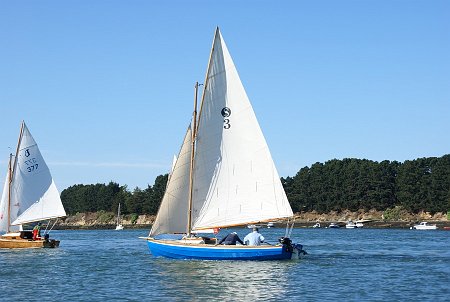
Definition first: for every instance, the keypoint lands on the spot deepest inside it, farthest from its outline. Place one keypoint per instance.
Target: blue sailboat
(224, 176)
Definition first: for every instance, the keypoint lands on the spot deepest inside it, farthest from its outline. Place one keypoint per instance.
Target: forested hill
(349, 184)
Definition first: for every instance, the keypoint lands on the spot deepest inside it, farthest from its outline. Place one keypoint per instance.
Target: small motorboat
(333, 226)
(424, 226)
(350, 225)
(316, 226)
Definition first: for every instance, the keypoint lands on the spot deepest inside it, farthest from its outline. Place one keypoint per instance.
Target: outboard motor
(295, 248)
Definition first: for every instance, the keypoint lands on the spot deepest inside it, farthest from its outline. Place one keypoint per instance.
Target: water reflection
(224, 280)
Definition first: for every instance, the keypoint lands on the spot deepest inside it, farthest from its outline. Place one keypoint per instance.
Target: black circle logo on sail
(226, 112)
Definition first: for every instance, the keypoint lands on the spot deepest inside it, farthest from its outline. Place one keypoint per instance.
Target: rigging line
(53, 225)
(45, 231)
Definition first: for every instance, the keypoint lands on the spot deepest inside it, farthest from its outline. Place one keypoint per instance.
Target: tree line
(348, 184)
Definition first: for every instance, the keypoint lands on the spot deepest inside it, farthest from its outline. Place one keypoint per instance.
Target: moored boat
(424, 226)
(224, 176)
(119, 225)
(333, 225)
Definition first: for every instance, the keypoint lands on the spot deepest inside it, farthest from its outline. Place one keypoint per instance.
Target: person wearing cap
(231, 239)
(254, 238)
(37, 232)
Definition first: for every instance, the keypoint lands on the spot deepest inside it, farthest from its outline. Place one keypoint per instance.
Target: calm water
(352, 265)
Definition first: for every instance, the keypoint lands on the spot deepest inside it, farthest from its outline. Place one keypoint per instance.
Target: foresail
(34, 195)
(235, 179)
(172, 214)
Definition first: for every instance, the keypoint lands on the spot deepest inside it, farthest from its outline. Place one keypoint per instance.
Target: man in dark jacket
(231, 239)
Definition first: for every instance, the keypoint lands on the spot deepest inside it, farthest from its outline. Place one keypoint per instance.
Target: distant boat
(352, 225)
(316, 226)
(424, 226)
(333, 226)
(29, 196)
(119, 226)
(224, 175)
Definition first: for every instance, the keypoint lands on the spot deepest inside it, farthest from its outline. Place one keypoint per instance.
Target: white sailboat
(224, 175)
(119, 226)
(29, 196)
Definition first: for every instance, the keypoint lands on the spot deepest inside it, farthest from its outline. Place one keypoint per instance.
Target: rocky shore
(372, 219)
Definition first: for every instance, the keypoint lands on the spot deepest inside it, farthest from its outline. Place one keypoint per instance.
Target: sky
(106, 87)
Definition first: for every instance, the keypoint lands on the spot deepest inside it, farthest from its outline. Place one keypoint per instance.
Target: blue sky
(106, 87)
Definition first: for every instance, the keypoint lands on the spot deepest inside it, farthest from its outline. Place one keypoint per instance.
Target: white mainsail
(34, 195)
(235, 179)
(172, 215)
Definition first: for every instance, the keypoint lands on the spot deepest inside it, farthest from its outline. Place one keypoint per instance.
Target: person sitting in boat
(254, 238)
(37, 232)
(231, 239)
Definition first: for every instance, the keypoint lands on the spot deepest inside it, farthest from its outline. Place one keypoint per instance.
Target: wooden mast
(191, 171)
(194, 131)
(11, 171)
(9, 191)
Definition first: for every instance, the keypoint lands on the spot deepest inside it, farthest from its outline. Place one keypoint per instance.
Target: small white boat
(316, 226)
(333, 226)
(270, 225)
(424, 226)
(119, 226)
(350, 225)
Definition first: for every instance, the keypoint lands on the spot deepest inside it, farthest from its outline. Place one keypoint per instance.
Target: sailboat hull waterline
(181, 250)
(224, 176)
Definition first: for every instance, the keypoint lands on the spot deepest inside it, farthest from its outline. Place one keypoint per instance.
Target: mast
(194, 132)
(118, 215)
(191, 171)
(11, 171)
(9, 190)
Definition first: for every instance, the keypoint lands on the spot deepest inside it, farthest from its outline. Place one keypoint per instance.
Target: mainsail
(235, 179)
(34, 195)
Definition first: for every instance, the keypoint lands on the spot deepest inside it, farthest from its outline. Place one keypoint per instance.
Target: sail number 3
(226, 112)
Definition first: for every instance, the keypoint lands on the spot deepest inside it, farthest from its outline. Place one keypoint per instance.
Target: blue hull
(172, 249)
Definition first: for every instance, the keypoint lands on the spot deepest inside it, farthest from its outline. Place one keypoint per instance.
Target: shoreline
(367, 225)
